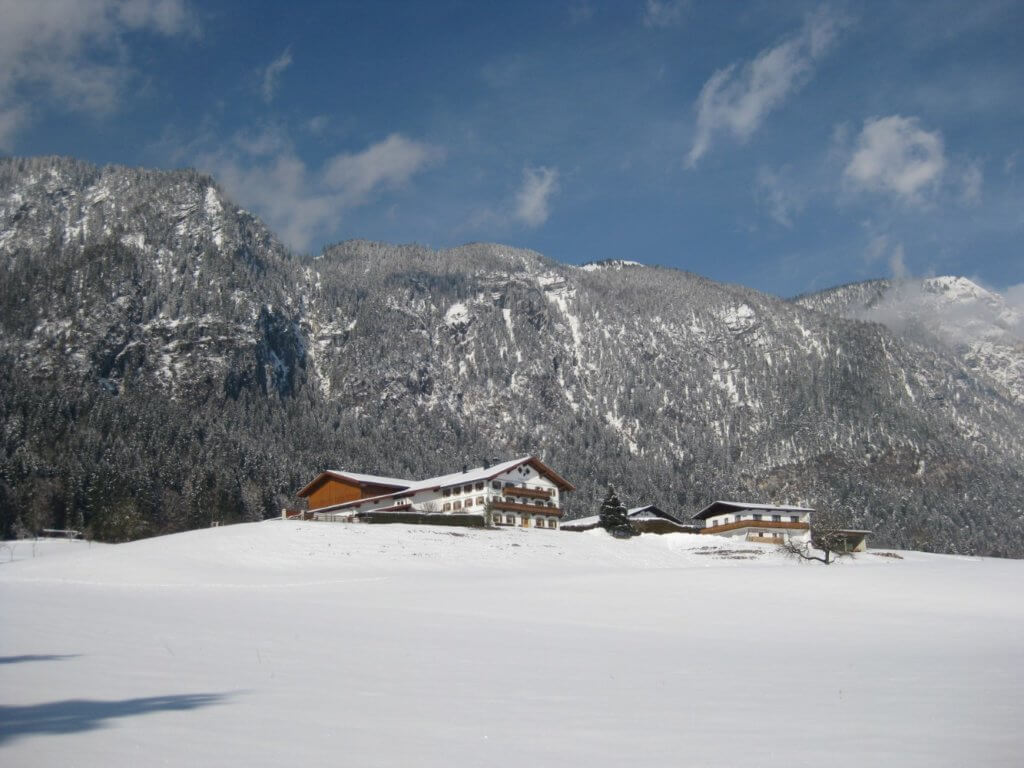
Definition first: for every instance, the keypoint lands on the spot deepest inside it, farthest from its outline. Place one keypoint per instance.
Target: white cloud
(264, 173)
(898, 263)
(664, 13)
(1014, 296)
(389, 163)
(736, 99)
(273, 73)
(53, 47)
(778, 193)
(972, 180)
(534, 196)
(896, 156)
(881, 247)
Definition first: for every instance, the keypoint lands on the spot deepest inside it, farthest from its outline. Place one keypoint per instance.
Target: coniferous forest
(165, 363)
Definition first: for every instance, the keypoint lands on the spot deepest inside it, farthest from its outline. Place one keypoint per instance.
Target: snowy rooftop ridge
(364, 479)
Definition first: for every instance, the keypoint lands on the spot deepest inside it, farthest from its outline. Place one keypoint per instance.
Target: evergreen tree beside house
(612, 516)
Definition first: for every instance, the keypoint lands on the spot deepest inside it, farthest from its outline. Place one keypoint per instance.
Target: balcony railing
(533, 509)
(531, 493)
(755, 524)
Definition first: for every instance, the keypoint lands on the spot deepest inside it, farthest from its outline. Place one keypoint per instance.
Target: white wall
(766, 516)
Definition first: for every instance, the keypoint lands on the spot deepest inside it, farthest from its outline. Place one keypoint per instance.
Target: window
(496, 485)
(794, 519)
(714, 523)
(552, 524)
(479, 486)
(447, 507)
(479, 499)
(468, 504)
(776, 518)
(757, 517)
(457, 505)
(510, 519)
(468, 489)
(447, 492)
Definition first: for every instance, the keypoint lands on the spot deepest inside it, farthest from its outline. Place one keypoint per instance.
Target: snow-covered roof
(646, 512)
(651, 512)
(364, 479)
(469, 476)
(722, 507)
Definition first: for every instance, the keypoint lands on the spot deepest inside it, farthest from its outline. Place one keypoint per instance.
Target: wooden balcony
(755, 524)
(531, 509)
(530, 493)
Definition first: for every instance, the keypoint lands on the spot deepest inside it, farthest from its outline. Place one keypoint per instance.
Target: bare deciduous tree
(828, 539)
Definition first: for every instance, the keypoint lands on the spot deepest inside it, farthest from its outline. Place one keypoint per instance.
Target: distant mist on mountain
(165, 362)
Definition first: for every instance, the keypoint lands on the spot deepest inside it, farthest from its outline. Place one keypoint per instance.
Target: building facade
(523, 492)
(763, 523)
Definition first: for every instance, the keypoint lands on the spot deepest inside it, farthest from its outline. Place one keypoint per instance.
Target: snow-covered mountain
(167, 362)
(984, 330)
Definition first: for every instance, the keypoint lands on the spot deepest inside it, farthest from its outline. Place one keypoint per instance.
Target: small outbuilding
(646, 519)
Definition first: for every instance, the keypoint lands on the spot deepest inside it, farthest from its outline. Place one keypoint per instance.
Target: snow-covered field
(278, 643)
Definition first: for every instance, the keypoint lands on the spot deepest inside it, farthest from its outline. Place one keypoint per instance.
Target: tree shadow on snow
(77, 715)
(37, 657)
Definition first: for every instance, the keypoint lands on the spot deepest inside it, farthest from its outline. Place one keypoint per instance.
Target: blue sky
(785, 146)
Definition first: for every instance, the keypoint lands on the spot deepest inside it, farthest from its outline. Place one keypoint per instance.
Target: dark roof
(723, 507)
(654, 510)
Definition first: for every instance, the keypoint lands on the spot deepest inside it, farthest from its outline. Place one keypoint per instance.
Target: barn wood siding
(335, 491)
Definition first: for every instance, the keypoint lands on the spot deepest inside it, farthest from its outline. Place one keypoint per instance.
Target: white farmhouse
(523, 492)
(765, 523)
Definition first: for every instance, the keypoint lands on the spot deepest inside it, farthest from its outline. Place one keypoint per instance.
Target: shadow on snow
(77, 715)
(37, 657)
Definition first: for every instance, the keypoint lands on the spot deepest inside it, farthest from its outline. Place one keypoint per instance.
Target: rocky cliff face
(167, 362)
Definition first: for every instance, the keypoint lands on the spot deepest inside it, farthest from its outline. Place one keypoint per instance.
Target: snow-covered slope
(328, 644)
(984, 330)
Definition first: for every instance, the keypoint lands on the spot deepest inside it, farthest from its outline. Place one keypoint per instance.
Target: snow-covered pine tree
(613, 516)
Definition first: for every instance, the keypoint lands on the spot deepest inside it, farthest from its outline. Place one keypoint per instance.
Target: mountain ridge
(184, 367)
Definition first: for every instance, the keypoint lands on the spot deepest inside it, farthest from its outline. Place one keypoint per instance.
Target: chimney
(465, 468)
